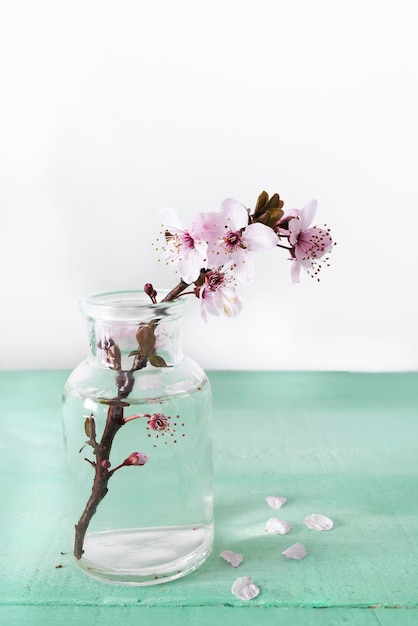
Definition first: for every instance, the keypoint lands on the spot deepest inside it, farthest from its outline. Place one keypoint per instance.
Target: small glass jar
(137, 428)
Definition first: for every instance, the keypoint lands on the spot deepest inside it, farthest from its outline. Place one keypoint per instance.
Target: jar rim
(134, 305)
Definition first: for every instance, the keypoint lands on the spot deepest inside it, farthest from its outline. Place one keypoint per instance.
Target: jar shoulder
(186, 376)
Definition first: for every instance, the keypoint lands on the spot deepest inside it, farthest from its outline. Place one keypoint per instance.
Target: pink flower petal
(244, 589)
(258, 237)
(170, 219)
(277, 526)
(217, 294)
(295, 271)
(235, 213)
(232, 557)
(308, 213)
(275, 502)
(191, 262)
(243, 265)
(297, 551)
(318, 522)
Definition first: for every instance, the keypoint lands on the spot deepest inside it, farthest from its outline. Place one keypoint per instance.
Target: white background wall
(111, 110)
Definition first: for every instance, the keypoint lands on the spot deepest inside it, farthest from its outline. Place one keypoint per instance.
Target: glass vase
(137, 429)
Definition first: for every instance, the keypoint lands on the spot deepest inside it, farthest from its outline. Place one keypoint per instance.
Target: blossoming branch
(213, 254)
(217, 249)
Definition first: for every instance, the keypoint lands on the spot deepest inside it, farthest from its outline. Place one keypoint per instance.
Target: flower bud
(150, 291)
(136, 458)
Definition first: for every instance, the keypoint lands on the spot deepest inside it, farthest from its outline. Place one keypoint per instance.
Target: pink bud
(150, 291)
(105, 464)
(136, 458)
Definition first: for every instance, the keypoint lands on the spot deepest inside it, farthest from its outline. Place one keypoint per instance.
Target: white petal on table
(244, 588)
(318, 522)
(275, 502)
(232, 557)
(277, 526)
(297, 551)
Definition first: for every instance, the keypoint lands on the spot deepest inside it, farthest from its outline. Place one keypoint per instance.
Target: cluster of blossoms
(211, 255)
(216, 249)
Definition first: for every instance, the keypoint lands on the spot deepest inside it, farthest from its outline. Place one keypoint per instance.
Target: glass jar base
(146, 556)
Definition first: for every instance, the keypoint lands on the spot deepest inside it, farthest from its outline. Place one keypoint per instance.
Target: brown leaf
(157, 361)
(268, 210)
(275, 202)
(271, 217)
(115, 357)
(90, 428)
(262, 200)
(112, 402)
(146, 339)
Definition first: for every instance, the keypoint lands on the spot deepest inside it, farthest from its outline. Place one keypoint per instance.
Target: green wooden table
(341, 444)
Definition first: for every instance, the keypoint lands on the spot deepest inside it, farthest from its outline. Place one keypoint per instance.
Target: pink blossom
(187, 249)
(158, 422)
(217, 294)
(310, 243)
(231, 238)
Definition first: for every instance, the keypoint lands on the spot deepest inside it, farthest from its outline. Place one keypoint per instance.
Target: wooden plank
(202, 616)
(340, 444)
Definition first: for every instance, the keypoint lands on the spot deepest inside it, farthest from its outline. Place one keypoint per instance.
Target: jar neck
(127, 332)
